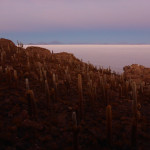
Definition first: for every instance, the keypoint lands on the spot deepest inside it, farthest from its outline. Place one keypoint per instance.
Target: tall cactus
(109, 123)
(80, 95)
(134, 121)
(16, 78)
(75, 131)
(47, 93)
(32, 106)
(55, 86)
(27, 84)
(134, 97)
(120, 91)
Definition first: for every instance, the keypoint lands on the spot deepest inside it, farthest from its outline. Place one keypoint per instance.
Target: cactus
(8, 75)
(75, 131)
(74, 119)
(103, 90)
(134, 91)
(16, 78)
(1, 69)
(15, 75)
(27, 84)
(12, 58)
(28, 63)
(134, 132)
(109, 123)
(47, 92)
(41, 76)
(141, 87)
(135, 113)
(67, 75)
(54, 79)
(3, 57)
(45, 74)
(120, 91)
(126, 88)
(112, 79)
(80, 95)
(32, 106)
(55, 85)
(8, 48)
(95, 91)
(92, 92)
(108, 92)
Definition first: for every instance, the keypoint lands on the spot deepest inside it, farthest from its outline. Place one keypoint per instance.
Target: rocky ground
(55, 101)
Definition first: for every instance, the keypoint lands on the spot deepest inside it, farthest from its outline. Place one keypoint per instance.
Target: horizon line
(91, 44)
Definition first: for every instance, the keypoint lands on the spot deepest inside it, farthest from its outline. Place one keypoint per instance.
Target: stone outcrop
(137, 72)
(5, 42)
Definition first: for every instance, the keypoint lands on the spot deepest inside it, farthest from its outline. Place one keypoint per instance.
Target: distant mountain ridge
(46, 43)
(74, 43)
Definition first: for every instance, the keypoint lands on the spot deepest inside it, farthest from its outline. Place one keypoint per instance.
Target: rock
(5, 42)
(33, 50)
(137, 72)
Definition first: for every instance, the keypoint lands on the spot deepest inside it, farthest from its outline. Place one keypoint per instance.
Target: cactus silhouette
(109, 124)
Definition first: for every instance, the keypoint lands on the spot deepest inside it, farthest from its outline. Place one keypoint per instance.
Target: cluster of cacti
(51, 74)
(20, 44)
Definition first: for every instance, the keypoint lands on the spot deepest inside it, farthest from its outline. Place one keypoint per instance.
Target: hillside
(55, 101)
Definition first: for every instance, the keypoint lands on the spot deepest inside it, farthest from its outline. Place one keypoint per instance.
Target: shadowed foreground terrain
(55, 101)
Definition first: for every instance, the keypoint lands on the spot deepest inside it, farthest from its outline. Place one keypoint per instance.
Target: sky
(76, 21)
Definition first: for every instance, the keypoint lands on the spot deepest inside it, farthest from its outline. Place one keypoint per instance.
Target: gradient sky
(76, 21)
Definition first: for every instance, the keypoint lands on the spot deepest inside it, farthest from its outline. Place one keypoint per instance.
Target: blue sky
(69, 21)
(105, 36)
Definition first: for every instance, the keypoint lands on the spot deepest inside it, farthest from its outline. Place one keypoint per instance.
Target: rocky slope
(138, 72)
(55, 101)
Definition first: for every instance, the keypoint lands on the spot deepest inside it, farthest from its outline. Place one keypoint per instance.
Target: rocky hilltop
(55, 101)
(138, 72)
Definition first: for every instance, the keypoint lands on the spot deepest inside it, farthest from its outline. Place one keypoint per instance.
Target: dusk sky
(76, 21)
